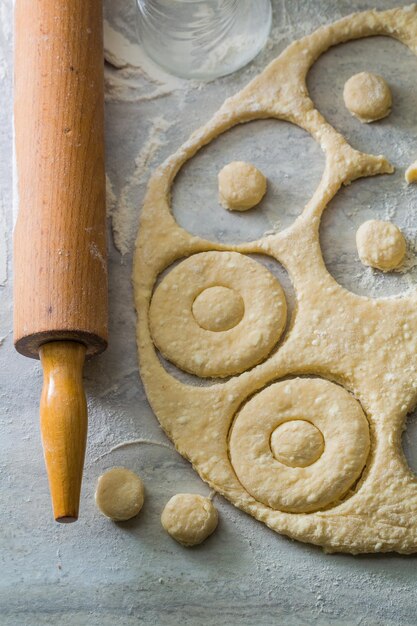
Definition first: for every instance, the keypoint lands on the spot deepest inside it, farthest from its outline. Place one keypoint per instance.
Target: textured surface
(97, 573)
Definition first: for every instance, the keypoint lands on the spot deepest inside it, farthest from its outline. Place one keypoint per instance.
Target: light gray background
(98, 573)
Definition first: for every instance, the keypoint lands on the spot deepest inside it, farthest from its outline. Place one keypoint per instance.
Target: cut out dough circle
(338, 417)
(297, 443)
(241, 186)
(368, 97)
(193, 348)
(380, 244)
(331, 329)
(189, 518)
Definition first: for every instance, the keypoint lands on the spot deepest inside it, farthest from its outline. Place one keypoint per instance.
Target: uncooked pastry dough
(367, 96)
(218, 308)
(241, 186)
(380, 244)
(297, 443)
(337, 416)
(411, 173)
(367, 346)
(189, 518)
(119, 494)
(242, 321)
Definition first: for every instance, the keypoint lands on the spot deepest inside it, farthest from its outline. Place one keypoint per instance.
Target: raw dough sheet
(356, 497)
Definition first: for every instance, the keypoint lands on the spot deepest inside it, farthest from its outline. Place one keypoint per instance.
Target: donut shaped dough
(241, 186)
(297, 443)
(380, 244)
(119, 494)
(180, 328)
(342, 424)
(189, 518)
(367, 96)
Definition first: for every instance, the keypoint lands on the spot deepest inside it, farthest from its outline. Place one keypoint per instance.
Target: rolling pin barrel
(60, 271)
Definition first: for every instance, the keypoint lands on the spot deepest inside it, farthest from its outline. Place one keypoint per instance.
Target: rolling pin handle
(63, 415)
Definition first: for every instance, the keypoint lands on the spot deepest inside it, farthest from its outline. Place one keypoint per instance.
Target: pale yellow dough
(189, 518)
(359, 353)
(380, 245)
(296, 443)
(335, 414)
(411, 173)
(119, 494)
(218, 308)
(367, 96)
(217, 314)
(241, 186)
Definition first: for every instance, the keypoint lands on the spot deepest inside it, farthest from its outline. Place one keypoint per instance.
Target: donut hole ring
(328, 407)
(207, 353)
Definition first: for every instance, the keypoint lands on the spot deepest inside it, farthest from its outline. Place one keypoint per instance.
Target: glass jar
(203, 39)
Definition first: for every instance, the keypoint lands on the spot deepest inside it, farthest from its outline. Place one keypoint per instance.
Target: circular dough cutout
(189, 518)
(297, 443)
(380, 245)
(328, 407)
(119, 494)
(241, 186)
(213, 353)
(367, 96)
(218, 308)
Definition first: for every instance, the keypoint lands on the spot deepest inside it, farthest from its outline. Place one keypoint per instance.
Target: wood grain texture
(60, 289)
(63, 414)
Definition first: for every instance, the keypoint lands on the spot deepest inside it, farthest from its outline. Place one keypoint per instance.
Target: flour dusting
(130, 75)
(124, 214)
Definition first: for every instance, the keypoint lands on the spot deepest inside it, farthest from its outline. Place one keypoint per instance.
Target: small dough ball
(380, 245)
(189, 518)
(367, 96)
(119, 494)
(241, 186)
(218, 308)
(411, 173)
(297, 443)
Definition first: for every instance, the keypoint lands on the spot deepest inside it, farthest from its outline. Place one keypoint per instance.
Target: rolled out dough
(352, 356)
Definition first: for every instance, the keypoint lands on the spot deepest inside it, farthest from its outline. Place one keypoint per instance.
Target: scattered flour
(133, 64)
(124, 210)
(3, 245)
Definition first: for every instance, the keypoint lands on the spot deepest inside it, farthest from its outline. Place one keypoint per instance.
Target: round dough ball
(189, 518)
(241, 186)
(119, 494)
(380, 244)
(218, 308)
(297, 443)
(367, 96)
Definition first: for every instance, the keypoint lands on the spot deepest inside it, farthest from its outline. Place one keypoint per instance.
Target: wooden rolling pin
(60, 271)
